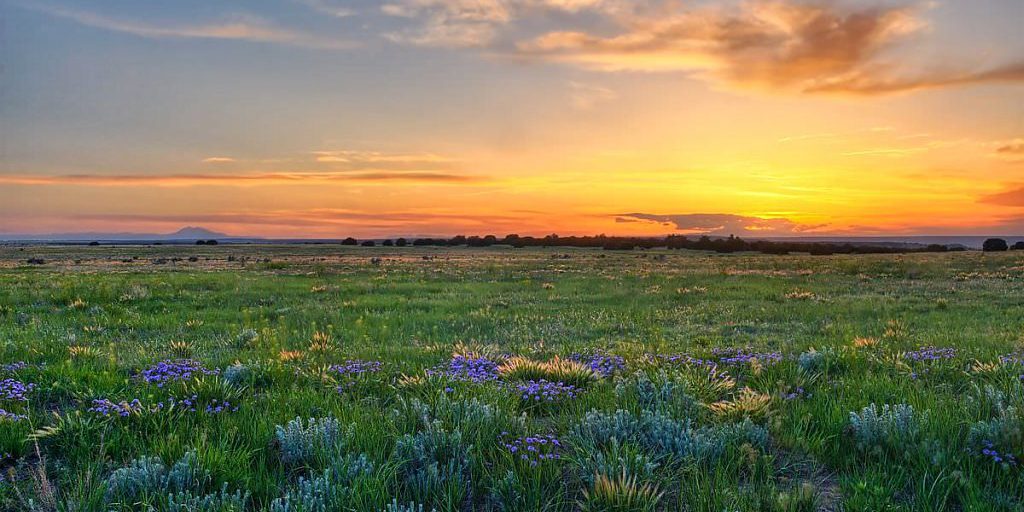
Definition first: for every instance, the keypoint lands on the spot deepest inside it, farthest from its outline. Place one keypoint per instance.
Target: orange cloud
(867, 82)
(1011, 197)
(817, 47)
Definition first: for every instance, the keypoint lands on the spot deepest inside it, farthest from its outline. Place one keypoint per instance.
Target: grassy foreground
(313, 378)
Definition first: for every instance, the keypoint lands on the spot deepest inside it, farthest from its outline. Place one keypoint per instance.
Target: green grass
(769, 435)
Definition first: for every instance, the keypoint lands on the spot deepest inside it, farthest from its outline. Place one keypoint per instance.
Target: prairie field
(320, 378)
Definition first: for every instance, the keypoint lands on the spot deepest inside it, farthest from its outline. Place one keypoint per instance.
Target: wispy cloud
(453, 23)
(587, 96)
(329, 8)
(1010, 150)
(276, 178)
(722, 224)
(218, 160)
(244, 28)
(475, 23)
(358, 159)
(880, 80)
(780, 45)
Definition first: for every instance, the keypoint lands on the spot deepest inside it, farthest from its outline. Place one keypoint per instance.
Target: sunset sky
(328, 118)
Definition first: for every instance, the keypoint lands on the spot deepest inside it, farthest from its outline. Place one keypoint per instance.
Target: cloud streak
(587, 96)
(357, 159)
(722, 224)
(242, 29)
(475, 23)
(1011, 197)
(274, 178)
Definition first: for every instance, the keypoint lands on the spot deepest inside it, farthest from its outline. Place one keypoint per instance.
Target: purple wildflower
(540, 391)
(930, 354)
(740, 356)
(534, 449)
(105, 407)
(990, 452)
(15, 366)
(1014, 358)
(10, 416)
(356, 367)
(686, 359)
(218, 406)
(11, 389)
(174, 370)
(605, 364)
(472, 369)
(794, 393)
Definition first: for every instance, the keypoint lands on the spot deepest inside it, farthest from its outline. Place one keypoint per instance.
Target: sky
(333, 118)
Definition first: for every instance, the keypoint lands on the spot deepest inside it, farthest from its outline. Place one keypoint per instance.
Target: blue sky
(311, 115)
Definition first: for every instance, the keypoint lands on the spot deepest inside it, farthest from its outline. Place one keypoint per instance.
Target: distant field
(172, 377)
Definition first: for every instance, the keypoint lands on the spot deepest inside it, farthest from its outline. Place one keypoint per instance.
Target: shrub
(662, 394)
(508, 494)
(812, 361)
(556, 370)
(994, 245)
(613, 461)
(221, 501)
(246, 337)
(238, 374)
(706, 383)
(325, 491)
(892, 427)
(620, 493)
(315, 494)
(394, 506)
(1000, 439)
(477, 421)
(599, 430)
(142, 477)
(313, 441)
(663, 437)
(745, 404)
(434, 467)
(182, 487)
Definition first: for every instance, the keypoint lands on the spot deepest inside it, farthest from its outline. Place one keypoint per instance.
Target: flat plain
(317, 377)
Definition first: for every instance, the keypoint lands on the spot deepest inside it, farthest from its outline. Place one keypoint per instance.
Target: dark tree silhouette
(994, 245)
(730, 244)
(368, 243)
(1019, 246)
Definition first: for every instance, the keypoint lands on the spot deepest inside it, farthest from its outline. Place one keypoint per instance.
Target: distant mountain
(188, 233)
(194, 232)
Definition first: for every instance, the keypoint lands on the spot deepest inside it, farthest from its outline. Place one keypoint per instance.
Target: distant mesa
(185, 234)
(194, 232)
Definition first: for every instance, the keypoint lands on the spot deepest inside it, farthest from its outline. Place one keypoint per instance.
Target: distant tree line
(999, 245)
(703, 243)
